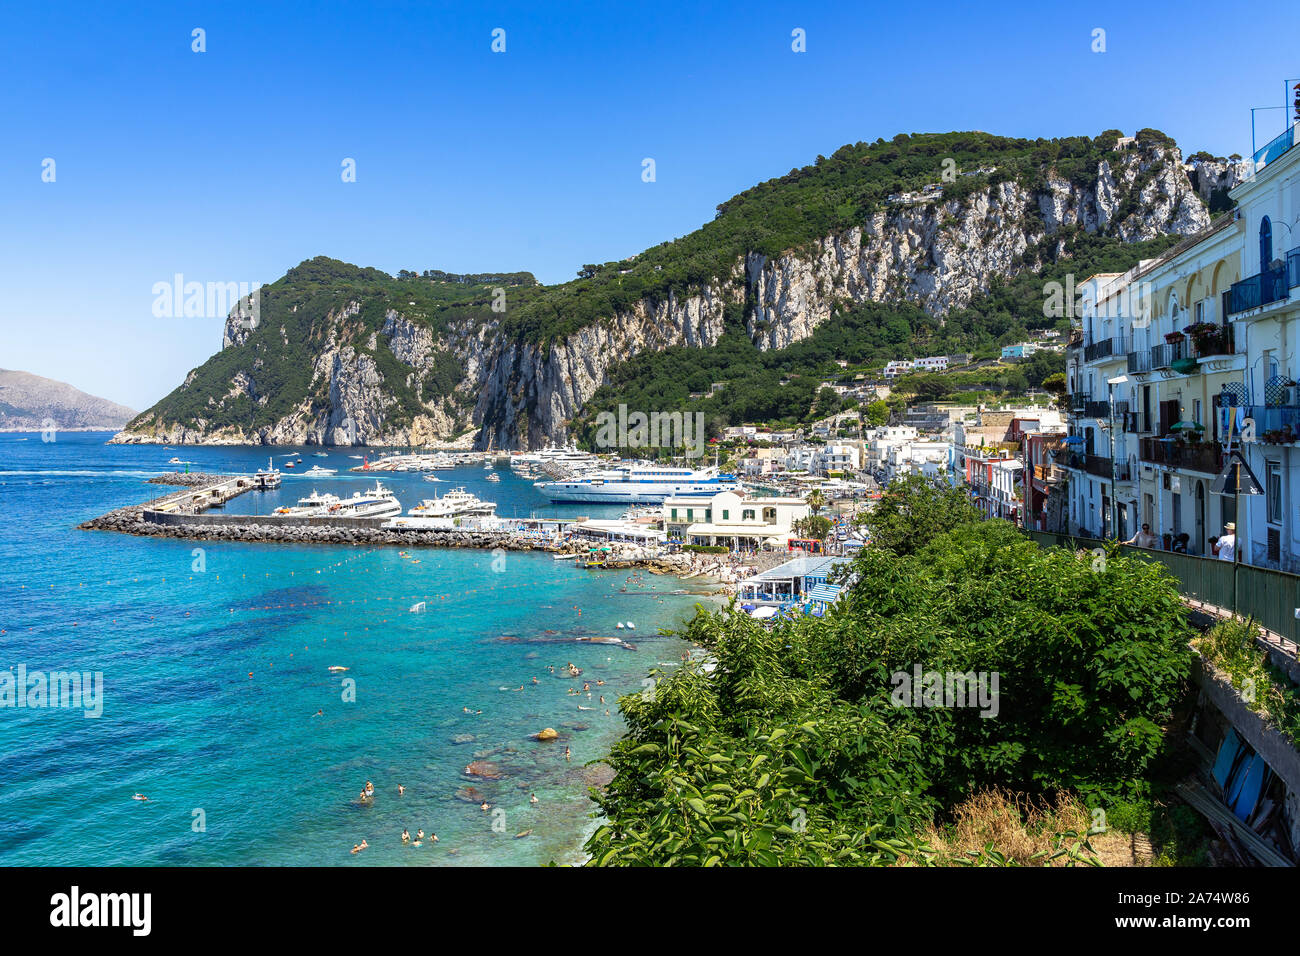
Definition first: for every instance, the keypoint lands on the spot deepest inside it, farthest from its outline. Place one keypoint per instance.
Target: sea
(250, 691)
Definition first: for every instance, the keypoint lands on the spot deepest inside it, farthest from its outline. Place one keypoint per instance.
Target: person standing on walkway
(1144, 538)
(1228, 542)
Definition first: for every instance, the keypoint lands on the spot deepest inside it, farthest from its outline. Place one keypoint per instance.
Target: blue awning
(825, 593)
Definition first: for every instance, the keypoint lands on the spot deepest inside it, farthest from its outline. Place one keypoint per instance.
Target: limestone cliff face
(941, 255)
(938, 254)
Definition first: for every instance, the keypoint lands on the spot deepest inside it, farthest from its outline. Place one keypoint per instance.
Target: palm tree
(816, 500)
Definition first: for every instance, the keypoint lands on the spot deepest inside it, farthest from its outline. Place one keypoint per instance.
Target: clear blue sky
(225, 165)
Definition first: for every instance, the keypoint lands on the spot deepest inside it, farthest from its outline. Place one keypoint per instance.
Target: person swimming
(485, 806)
(400, 790)
(406, 836)
(566, 754)
(533, 799)
(419, 834)
(140, 796)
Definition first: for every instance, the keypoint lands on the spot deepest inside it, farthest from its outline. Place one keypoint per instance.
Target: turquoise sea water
(211, 677)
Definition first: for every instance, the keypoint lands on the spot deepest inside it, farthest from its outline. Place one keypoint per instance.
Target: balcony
(1204, 456)
(1164, 356)
(1275, 424)
(1103, 348)
(1077, 401)
(1131, 423)
(1262, 289)
(1293, 268)
(1221, 341)
(1274, 149)
(1139, 362)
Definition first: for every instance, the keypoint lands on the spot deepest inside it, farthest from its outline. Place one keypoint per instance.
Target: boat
(290, 464)
(432, 478)
(320, 454)
(638, 482)
(316, 471)
(268, 477)
(313, 505)
(174, 461)
(493, 477)
(454, 504)
(378, 502)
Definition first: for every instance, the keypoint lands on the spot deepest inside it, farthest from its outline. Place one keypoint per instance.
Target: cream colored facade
(1164, 450)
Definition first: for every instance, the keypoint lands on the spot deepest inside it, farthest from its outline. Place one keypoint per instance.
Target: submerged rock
(548, 733)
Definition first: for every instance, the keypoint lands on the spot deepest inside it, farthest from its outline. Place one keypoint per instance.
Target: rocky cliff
(515, 392)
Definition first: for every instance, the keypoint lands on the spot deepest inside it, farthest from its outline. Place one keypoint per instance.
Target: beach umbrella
(1187, 427)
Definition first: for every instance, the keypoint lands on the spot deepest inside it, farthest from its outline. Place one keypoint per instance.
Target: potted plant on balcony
(1208, 338)
(1173, 338)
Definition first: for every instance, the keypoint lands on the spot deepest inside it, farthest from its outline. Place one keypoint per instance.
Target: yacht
(316, 471)
(268, 477)
(378, 502)
(639, 482)
(454, 504)
(313, 504)
(494, 477)
(320, 454)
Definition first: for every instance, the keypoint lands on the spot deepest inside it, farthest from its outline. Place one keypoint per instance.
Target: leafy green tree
(877, 413)
(913, 510)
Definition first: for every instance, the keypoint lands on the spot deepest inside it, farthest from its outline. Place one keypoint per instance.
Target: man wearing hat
(1228, 542)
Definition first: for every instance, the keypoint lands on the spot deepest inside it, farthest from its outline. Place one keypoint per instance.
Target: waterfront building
(1197, 351)
(734, 521)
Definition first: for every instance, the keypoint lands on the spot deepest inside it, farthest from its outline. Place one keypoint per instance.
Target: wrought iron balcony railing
(1204, 456)
(1103, 348)
(1268, 286)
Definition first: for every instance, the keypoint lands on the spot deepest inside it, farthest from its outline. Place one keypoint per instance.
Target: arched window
(1265, 243)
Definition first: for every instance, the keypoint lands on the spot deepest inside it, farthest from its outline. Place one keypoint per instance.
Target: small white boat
(316, 471)
(619, 625)
(174, 461)
(321, 454)
(494, 477)
(417, 608)
(432, 478)
(631, 626)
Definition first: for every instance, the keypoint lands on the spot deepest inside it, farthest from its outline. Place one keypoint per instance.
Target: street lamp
(1114, 469)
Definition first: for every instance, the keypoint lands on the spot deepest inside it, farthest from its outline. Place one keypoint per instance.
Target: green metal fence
(1270, 597)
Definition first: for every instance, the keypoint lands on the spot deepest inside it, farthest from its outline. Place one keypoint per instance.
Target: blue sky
(224, 166)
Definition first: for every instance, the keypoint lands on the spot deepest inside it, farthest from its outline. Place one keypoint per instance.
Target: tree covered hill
(429, 354)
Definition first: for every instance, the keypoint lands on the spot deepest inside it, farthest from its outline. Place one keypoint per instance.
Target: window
(747, 514)
(1200, 311)
(674, 514)
(1196, 411)
(1273, 489)
(726, 514)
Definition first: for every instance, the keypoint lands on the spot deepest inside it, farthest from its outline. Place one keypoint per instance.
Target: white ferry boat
(268, 477)
(639, 483)
(454, 504)
(314, 504)
(378, 502)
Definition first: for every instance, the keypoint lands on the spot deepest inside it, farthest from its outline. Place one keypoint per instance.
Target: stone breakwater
(185, 479)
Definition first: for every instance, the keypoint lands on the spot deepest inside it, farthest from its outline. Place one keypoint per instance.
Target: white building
(740, 523)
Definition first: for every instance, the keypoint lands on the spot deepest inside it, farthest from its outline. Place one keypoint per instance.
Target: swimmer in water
(419, 834)
(485, 806)
(402, 790)
(140, 796)
(319, 713)
(406, 836)
(433, 837)
(533, 799)
(534, 680)
(566, 754)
